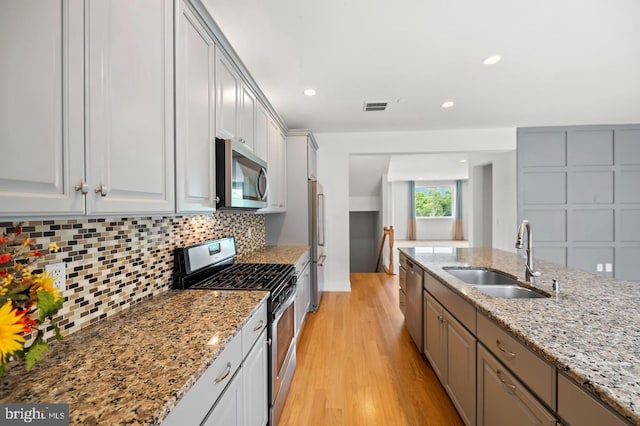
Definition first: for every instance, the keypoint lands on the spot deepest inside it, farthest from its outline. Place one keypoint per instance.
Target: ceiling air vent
(375, 106)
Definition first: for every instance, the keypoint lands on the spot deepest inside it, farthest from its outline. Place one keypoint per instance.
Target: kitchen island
(590, 330)
(133, 367)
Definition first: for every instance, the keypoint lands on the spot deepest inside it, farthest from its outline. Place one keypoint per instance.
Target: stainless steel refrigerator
(317, 242)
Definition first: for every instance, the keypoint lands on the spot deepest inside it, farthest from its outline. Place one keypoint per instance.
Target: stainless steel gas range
(210, 266)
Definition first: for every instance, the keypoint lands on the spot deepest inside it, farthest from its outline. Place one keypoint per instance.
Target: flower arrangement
(27, 300)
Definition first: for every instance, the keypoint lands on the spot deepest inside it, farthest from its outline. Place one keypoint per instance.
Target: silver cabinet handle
(224, 375)
(83, 187)
(508, 385)
(103, 190)
(504, 350)
(259, 326)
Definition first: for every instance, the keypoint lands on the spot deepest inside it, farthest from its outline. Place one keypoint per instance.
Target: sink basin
(509, 291)
(481, 277)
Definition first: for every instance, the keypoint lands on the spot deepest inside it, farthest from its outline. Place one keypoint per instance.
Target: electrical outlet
(58, 270)
(608, 267)
(599, 267)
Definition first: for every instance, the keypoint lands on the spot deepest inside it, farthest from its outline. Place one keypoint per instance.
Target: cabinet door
(460, 381)
(229, 410)
(227, 88)
(282, 151)
(261, 132)
(254, 372)
(195, 115)
(41, 113)
(129, 98)
(247, 117)
(502, 399)
(433, 335)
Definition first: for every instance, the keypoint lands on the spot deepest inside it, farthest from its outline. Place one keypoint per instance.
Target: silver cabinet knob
(83, 187)
(103, 190)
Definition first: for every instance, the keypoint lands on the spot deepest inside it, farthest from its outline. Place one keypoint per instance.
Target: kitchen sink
(509, 291)
(481, 277)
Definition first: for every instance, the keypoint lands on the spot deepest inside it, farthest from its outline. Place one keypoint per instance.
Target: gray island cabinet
(551, 360)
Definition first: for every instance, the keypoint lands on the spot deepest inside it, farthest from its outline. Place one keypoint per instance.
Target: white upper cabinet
(276, 169)
(41, 113)
(195, 115)
(129, 98)
(246, 131)
(227, 95)
(261, 132)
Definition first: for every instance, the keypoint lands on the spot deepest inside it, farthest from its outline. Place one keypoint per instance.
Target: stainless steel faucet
(529, 272)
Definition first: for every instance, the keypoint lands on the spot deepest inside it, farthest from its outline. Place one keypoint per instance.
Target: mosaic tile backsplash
(114, 263)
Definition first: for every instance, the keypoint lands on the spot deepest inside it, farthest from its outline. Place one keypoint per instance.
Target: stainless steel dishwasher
(413, 315)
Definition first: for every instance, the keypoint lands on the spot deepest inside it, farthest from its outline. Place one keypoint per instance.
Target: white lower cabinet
(502, 399)
(303, 298)
(254, 369)
(451, 350)
(229, 410)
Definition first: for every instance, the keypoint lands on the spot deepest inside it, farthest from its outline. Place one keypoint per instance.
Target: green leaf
(35, 353)
(58, 334)
(47, 305)
(1, 370)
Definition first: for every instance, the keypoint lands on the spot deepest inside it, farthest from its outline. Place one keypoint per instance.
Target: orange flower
(4, 258)
(26, 321)
(4, 240)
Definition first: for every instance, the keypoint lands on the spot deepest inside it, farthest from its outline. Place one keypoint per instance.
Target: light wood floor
(357, 364)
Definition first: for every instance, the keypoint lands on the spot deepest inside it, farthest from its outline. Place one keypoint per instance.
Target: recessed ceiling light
(492, 60)
(310, 92)
(447, 104)
(463, 161)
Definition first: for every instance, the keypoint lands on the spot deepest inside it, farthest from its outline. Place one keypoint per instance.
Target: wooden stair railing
(387, 231)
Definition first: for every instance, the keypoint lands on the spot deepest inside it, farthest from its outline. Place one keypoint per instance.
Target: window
(434, 201)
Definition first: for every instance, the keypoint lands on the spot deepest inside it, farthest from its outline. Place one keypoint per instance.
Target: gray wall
(363, 244)
(579, 187)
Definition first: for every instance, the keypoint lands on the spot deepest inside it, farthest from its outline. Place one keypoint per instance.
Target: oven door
(282, 353)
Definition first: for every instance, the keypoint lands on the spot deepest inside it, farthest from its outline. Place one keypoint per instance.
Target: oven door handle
(284, 306)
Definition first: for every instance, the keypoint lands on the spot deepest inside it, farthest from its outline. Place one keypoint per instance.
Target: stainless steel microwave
(241, 177)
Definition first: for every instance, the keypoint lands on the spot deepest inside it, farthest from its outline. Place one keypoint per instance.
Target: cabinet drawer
(198, 400)
(503, 399)
(577, 407)
(461, 310)
(252, 329)
(403, 278)
(539, 376)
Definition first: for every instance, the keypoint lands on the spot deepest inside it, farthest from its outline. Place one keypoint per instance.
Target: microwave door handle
(262, 175)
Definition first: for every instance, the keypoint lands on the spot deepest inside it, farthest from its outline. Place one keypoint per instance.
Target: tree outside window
(434, 201)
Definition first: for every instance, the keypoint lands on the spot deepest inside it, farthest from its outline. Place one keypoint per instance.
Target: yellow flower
(11, 339)
(53, 247)
(8, 280)
(44, 282)
(26, 242)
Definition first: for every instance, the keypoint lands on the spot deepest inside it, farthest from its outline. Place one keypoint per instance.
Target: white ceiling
(564, 62)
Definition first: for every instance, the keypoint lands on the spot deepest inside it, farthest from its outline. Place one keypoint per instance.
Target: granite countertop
(133, 367)
(590, 330)
(275, 254)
